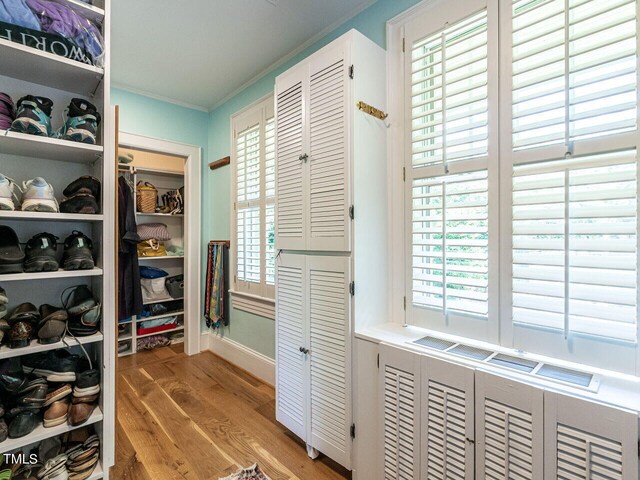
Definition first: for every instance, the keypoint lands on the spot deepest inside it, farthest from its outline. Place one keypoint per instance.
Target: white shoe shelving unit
(163, 180)
(28, 71)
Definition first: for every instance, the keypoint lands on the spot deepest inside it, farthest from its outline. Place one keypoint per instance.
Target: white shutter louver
(449, 94)
(575, 245)
(450, 242)
(248, 164)
(248, 244)
(583, 456)
(574, 70)
(270, 158)
(269, 248)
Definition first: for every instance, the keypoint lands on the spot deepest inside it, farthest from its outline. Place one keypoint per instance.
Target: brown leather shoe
(80, 412)
(58, 394)
(52, 325)
(56, 414)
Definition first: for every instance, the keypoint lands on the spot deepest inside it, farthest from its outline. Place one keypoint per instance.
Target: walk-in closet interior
(339, 239)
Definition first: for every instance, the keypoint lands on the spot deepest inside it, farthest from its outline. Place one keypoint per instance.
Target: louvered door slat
(290, 178)
(586, 441)
(509, 429)
(329, 331)
(328, 154)
(447, 421)
(399, 384)
(291, 382)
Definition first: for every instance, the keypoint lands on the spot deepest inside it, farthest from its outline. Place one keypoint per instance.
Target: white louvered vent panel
(290, 338)
(584, 456)
(574, 70)
(449, 94)
(574, 245)
(328, 324)
(248, 245)
(248, 164)
(328, 152)
(269, 251)
(446, 436)
(399, 424)
(508, 442)
(451, 242)
(289, 165)
(270, 158)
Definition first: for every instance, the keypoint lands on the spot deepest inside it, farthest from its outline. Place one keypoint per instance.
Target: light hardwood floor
(201, 418)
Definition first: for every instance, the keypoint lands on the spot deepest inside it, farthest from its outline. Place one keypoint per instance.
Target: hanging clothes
(216, 308)
(130, 292)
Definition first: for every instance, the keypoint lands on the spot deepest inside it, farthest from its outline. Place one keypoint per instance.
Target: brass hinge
(352, 212)
(353, 430)
(351, 72)
(352, 288)
(404, 302)
(404, 174)
(378, 361)
(403, 45)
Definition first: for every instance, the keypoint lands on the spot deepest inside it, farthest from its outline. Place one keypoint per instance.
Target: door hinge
(403, 41)
(351, 72)
(378, 361)
(353, 430)
(352, 288)
(404, 174)
(352, 212)
(404, 302)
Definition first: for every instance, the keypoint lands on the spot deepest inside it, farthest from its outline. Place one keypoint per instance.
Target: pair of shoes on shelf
(41, 252)
(80, 196)
(48, 324)
(34, 117)
(73, 404)
(7, 111)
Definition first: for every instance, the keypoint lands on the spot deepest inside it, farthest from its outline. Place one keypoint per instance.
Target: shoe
(23, 323)
(34, 116)
(3, 313)
(84, 311)
(78, 252)
(57, 413)
(86, 185)
(87, 383)
(82, 203)
(55, 365)
(8, 197)
(82, 122)
(54, 469)
(11, 256)
(81, 409)
(49, 448)
(7, 111)
(32, 394)
(4, 326)
(3, 297)
(4, 430)
(41, 253)
(38, 196)
(11, 375)
(52, 325)
(22, 421)
(57, 394)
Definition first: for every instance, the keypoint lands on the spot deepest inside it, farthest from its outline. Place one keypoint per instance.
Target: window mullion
(444, 248)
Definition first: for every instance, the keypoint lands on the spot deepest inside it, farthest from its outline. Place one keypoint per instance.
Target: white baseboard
(255, 363)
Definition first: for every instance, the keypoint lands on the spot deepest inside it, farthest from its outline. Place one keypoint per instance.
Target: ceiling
(200, 52)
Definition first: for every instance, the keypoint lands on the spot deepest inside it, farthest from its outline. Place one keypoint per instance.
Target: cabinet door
(291, 191)
(291, 332)
(330, 354)
(585, 441)
(400, 407)
(509, 429)
(329, 166)
(447, 421)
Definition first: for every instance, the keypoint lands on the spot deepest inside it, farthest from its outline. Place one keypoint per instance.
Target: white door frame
(192, 261)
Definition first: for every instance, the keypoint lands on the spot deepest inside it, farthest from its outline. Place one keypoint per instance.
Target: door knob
(304, 350)
(304, 157)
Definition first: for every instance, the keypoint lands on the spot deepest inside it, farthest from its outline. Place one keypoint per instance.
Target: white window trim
(576, 352)
(251, 297)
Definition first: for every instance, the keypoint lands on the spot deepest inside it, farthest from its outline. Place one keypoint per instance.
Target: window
(253, 199)
(521, 195)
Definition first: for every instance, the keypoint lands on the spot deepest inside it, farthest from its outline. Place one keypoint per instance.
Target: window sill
(263, 307)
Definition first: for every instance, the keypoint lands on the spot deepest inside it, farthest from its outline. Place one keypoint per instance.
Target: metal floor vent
(565, 375)
(435, 343)
(514, 363)
(471, 352)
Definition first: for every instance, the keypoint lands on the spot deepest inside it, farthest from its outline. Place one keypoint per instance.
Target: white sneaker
(8, 193)
(38, 196)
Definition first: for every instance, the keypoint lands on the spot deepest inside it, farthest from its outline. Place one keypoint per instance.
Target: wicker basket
(147, 197)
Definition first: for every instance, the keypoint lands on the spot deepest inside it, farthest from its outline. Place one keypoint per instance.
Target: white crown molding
(318, 36)
(411, 13)
(154, 96)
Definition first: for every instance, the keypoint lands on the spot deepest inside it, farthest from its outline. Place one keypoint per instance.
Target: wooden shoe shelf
(28, 71)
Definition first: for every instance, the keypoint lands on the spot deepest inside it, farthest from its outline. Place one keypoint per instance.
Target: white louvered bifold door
(291, 333)
(290, 165)
(329, 194)
(447, 421)
(400, 405)
(329, 307)
(586, 441)
(509, 429)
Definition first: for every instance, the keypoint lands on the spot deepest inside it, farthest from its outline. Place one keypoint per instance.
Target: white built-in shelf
(33, 65)
(125, 323)
(97, 472)
(42, 433)
(16, 277)
(49, 217)
(165, 257)
(25, 145)
(35, 347)
(164, 315)
(90, 12)
(177, 329)
(165, 300)
(141, 214)
(126, 336)
(177, 341)
(155, 171)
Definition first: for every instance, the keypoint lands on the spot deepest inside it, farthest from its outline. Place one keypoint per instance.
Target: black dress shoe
(23, 421)
(11, 256)
(85, 184)
(32, 394)
(11, 375)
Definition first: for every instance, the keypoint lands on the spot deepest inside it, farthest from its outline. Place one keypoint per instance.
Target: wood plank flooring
(201, 418)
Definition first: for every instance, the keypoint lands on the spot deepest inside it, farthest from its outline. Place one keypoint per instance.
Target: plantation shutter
(574, 70)
(575, 245)
(270, 209)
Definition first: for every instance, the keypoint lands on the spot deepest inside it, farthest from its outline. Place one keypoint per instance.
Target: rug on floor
(250, 473)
